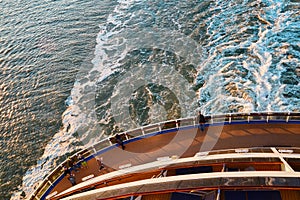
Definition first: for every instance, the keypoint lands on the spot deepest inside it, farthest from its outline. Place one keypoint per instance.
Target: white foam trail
(255, 89)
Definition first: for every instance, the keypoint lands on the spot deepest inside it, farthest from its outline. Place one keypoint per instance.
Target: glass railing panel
(102, 144)
(278, 116)
(220, 118)
(168, 125)
(186, 122)
(134, 133)
(275, 118)
(151, 129)
(43, 189)
(294, 118)
(258, 116)
(55, 174)
(253, 166)
(239, 118)
(217, 119)
(260, 150)
(288, 150)
(221, 152)
(86, 153)
(240, 150)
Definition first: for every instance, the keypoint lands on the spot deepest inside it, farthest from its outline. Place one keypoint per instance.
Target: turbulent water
(74, 72)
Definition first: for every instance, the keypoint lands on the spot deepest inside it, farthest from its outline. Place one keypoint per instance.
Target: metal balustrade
(57, 174)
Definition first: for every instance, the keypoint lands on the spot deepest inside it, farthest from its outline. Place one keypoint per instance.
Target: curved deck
(181, 139)
(194, 181)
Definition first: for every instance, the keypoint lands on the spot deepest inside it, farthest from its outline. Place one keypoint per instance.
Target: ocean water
(74, 72)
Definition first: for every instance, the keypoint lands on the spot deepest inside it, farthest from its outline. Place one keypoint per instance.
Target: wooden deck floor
(185, 143)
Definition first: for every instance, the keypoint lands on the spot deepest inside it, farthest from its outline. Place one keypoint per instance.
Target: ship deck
(179, 141)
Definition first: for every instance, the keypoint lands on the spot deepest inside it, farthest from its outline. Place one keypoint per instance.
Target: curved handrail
(209, 158)
(57, 173)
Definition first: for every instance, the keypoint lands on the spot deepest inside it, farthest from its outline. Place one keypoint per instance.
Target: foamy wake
(247, 60)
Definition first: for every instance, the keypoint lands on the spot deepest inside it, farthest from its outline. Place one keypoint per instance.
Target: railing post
(218, 194)
(126, 136)
(94, 149)
(143, 131)
(50, 183)
(109, 141)
(223, 168)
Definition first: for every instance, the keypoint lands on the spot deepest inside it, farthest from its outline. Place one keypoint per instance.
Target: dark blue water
(73, 72)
